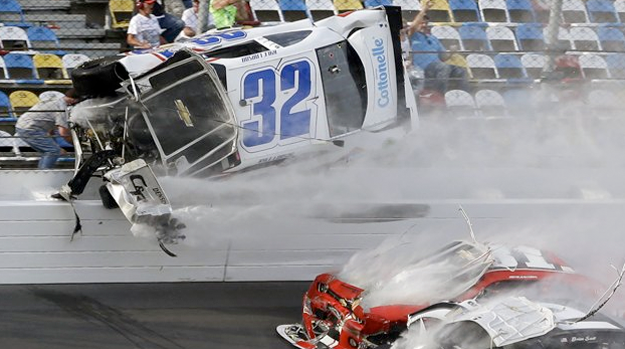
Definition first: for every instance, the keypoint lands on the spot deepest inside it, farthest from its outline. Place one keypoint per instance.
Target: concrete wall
(235, 240)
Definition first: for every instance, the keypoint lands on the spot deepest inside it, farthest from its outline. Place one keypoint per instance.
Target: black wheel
(107, 198)
(99, 77)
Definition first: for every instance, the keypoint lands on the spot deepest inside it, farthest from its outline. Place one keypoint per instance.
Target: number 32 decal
(273, 118)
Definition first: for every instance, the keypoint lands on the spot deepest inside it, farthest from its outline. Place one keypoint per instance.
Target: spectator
(405, 45)
(143, 29)
(187, 4)
(170, 23)
(191, 21)
(438, 74)
(37, 127)
(224, 12)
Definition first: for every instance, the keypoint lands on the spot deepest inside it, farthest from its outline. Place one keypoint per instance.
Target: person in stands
(438, 73)
(144, 32)
(191, 22)
(224, 12)
(171, 24)
(38, 125)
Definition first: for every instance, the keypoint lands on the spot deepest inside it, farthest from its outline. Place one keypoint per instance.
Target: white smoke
(92, 111)
(561, 170)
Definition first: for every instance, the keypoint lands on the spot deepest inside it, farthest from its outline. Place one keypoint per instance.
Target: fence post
(551, 39)
(203, 16)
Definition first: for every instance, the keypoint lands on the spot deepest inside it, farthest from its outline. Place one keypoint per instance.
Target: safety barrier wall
(290, 240)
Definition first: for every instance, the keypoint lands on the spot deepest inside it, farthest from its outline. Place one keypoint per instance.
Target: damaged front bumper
(133, 188)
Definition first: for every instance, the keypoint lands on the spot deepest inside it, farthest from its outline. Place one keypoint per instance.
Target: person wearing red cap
(143, 30)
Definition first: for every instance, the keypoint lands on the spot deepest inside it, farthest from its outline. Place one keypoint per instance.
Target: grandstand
(40, 43)
(512, 55)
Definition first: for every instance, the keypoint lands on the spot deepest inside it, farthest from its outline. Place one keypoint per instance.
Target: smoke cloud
(559, 173)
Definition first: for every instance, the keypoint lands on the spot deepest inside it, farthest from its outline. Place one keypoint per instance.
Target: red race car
(339, 314)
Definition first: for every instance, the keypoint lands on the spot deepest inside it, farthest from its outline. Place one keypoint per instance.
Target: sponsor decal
(139, 184)
(522, 277)
(275, 158)
(379, 55)
(258, 55)
(159, 194)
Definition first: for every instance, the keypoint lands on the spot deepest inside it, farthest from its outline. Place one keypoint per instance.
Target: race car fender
(142, 200)
(374, 46)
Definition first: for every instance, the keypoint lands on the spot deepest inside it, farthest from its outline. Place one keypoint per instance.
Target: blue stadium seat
(21, 68)
(42, 39)
(521, 11)
(12, 10)
(6, 114)
(474, 37)
(510, 67)
(293, 10)
(375, 3)
(602, 11)
(530, 37)
(616, 65)
(320, 9)
(464, 10)
(611, 39)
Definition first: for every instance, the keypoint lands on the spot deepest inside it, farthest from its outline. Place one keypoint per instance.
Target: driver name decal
(379, 54)
(258, 55)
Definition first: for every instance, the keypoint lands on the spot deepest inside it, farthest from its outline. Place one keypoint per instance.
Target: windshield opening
(191, 122)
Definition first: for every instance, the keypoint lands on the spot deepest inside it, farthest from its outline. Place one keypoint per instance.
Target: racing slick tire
(106, 197)
(99, 77)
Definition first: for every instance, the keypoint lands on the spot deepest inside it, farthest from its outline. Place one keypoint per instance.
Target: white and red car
(465, 295)
(236, 99)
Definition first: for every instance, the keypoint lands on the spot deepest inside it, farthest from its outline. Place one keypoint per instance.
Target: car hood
(509, 320)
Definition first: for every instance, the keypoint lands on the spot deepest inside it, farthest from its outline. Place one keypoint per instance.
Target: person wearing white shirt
(191, 21)
(143, 30)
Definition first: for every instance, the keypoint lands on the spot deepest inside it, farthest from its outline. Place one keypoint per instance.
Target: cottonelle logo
(382, 72)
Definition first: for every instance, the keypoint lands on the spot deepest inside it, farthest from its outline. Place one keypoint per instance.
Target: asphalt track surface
(172, 315)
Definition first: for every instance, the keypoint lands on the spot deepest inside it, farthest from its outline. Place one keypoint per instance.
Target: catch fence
(519, 56)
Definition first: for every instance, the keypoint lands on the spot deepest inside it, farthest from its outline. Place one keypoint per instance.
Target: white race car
(232, 100)
(511, 322)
